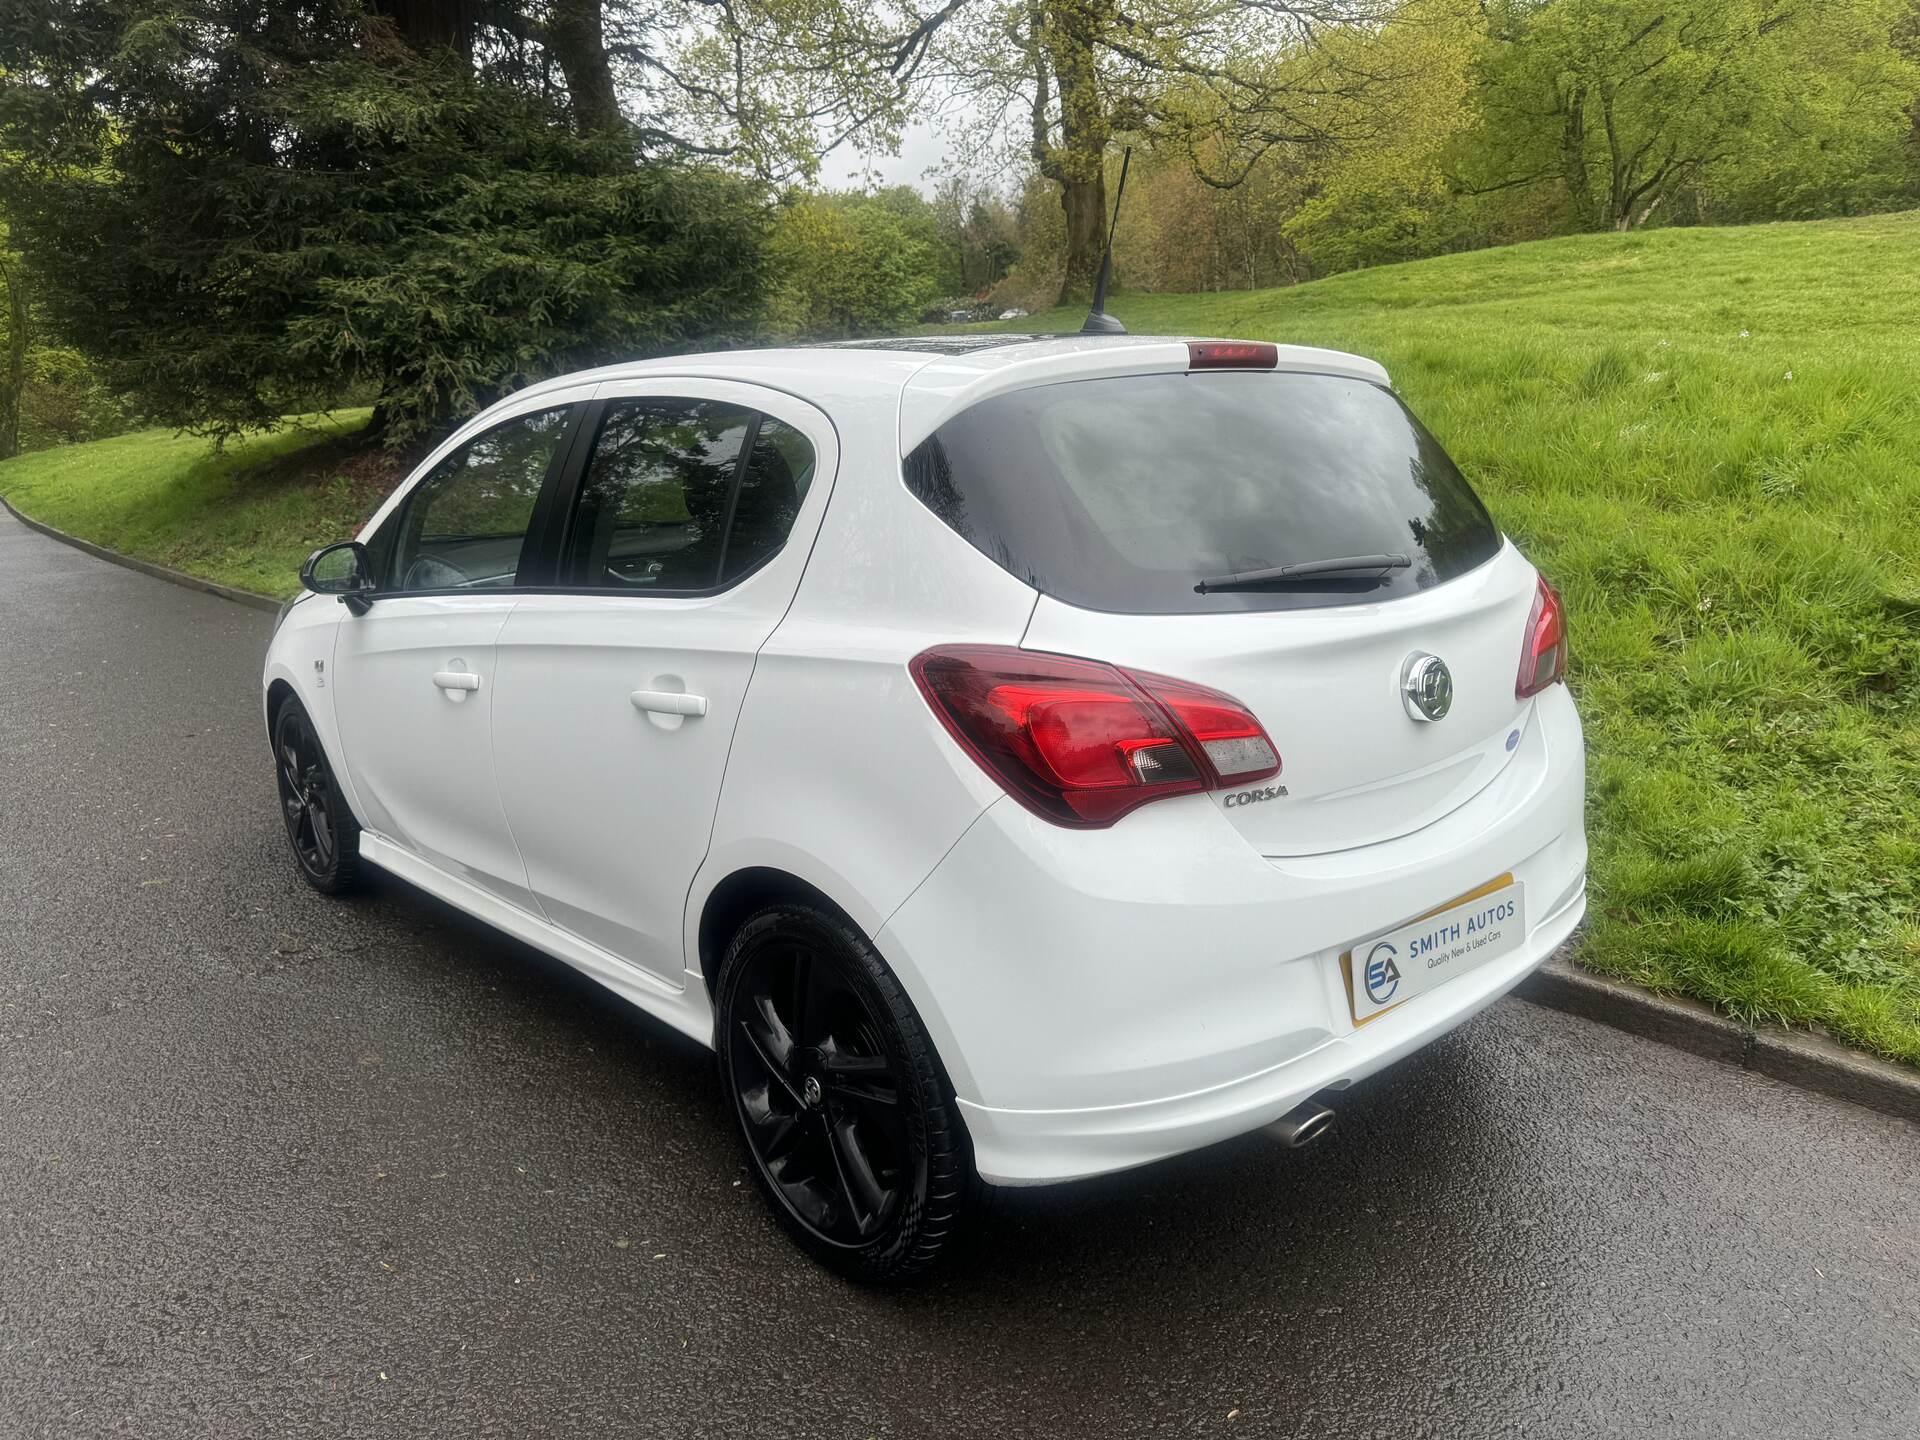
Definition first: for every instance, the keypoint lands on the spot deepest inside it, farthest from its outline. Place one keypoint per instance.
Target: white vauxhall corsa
(1020, 758)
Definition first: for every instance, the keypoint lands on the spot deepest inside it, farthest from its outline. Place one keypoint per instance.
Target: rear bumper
(1105, 999)
(1031, 1147)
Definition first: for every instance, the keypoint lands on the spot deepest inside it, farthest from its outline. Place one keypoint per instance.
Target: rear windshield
(1122, 494)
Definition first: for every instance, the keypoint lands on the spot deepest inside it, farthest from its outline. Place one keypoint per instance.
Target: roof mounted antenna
(1099, 322)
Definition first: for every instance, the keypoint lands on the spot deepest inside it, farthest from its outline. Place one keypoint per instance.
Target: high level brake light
(1080, 742)
(1232, 355)
(1543, 659)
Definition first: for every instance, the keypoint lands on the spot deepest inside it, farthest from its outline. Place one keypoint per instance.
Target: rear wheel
(854, 1136)
(322, 831)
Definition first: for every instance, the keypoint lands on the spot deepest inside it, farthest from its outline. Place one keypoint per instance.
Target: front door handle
(669, 702)
(456, 680)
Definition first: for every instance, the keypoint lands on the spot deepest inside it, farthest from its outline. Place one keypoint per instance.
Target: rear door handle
(456, 680)
(669, 702)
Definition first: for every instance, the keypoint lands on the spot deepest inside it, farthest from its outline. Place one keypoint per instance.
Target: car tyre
(321, 830)
(850, 1125)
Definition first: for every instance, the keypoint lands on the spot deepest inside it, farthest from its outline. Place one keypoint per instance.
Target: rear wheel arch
(735, 899)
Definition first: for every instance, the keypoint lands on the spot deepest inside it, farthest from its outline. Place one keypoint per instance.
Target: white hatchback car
(1020, 758)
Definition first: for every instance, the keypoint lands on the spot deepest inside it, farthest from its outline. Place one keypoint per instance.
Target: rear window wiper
(1305, 570)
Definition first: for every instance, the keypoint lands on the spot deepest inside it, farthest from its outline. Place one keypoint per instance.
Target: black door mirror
(344, 570)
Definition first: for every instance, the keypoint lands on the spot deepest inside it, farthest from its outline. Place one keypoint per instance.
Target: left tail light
(1543, 659)
(1080, 742)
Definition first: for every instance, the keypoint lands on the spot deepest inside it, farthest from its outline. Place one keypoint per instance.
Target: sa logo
(1382, 974)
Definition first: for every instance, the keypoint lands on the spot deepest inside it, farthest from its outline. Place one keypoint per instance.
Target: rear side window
(1122, 494)
(684, 495)
(777, 475)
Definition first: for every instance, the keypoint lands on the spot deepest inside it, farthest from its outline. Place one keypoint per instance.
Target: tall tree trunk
(1085, 204)
(1573, 161)
(1079, 161)
(1619, 176)
(16, 376)
(577, 38)
(434, 24)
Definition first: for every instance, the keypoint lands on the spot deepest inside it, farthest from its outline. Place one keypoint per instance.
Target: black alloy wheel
(325, 839)
(853, 1133)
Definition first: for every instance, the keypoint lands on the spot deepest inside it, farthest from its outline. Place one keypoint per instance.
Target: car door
(413, 675)
(685, 535)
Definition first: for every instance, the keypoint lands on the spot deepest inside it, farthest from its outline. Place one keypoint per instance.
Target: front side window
(465, 526)
(684, 495)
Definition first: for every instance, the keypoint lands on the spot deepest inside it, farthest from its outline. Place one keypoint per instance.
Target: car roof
(940, 375)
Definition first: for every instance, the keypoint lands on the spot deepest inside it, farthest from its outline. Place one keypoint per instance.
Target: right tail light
(1543, 659)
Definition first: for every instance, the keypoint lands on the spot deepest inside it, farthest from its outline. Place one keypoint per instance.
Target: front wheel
(854, 1136)
(320, 827)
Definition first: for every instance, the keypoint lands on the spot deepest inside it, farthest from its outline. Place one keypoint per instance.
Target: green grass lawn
(1708, 439)
(245, 516)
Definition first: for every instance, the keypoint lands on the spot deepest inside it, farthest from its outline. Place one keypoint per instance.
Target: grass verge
(246, 515)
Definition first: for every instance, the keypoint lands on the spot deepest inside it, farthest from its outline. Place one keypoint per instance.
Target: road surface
(274, 1165)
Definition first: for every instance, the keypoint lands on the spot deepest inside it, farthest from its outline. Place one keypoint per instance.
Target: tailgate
(1357, 766)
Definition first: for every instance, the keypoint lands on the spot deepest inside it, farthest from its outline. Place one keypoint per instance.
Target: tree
(1385, 194)
(1841, 138)
(13, 381)
(1628, 102)
(850, 265)
(576, 33)
(240, 210)
(1221, 81)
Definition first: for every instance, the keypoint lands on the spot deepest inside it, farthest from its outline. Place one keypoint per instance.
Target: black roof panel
(937, 344)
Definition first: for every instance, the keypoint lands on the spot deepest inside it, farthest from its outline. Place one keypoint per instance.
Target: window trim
(558, 493)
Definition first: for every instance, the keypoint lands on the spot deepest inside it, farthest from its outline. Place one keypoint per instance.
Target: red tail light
(1231, 355)
(1081, 743)
(1543, 659)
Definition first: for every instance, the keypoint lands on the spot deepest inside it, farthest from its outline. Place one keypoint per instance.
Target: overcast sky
(921, 148)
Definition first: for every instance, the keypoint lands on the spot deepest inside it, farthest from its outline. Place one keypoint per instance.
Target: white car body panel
(421, 758)
(1099, 998)
(1196, 989)
(1301, 671)
(611, 847)
(832, 687)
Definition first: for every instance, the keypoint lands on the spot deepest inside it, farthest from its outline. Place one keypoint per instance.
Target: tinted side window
(778, 473)
(666, 504)
(465, 526)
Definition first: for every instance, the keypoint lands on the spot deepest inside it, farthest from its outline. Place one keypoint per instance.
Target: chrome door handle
(456, 680)
(669, 702)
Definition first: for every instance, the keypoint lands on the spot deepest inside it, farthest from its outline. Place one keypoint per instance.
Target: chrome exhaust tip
(1302, 1125)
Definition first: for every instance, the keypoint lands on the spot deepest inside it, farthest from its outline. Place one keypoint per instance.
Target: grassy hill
(1709, 439)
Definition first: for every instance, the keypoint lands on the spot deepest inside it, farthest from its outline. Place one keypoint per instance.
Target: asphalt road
(273, 1165)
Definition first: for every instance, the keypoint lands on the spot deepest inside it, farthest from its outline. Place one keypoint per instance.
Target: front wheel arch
(278, 693)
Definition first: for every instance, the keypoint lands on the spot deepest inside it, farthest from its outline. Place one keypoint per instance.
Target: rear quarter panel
(839, 773)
